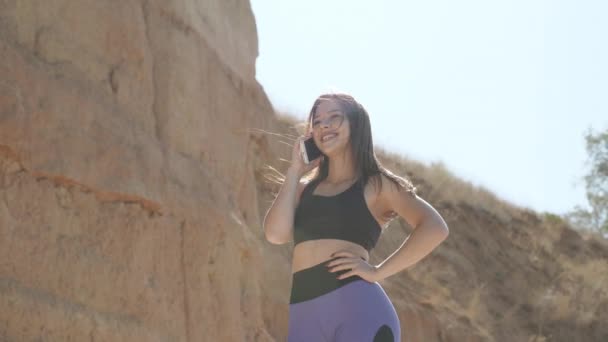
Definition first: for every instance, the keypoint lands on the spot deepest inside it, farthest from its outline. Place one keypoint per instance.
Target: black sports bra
(344, 216)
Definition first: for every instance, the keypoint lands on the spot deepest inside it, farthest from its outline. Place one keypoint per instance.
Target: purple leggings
(323, 308)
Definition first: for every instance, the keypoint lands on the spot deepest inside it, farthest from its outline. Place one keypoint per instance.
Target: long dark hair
(367, 166)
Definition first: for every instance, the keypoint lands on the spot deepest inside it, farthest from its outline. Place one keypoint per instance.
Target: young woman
(335, 219)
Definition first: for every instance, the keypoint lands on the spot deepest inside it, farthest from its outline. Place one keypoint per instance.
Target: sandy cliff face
(147, 97)
(128, 206)
(132, 194)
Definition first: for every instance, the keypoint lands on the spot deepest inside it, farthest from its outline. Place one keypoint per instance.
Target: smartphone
(309, 150)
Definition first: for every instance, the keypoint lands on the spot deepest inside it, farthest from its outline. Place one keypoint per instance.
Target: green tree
(596, 184)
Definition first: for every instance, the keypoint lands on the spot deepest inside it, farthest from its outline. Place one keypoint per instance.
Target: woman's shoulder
(388, 184)
(302, 185)
(304, 182)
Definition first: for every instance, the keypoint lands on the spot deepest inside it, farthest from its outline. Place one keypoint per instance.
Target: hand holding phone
(299, 156)
(309, 150)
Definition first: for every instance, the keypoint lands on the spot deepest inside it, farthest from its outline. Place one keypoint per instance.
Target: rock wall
(129, 207)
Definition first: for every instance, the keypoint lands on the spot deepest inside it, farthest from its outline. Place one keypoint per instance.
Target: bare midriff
(310, 253)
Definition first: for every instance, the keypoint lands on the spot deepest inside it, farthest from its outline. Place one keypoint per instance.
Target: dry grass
(580, 292)
(446, 186)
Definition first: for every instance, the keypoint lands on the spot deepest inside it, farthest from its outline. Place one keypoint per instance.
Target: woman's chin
(331, 151)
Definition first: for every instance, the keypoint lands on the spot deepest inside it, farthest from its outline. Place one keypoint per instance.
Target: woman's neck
(341, 169)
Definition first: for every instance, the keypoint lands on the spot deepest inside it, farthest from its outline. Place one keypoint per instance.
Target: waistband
(317, 280)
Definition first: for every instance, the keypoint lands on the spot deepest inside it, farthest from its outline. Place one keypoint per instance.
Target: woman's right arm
(278, 222)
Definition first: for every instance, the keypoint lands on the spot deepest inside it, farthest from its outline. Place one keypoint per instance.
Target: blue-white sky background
(500, 91)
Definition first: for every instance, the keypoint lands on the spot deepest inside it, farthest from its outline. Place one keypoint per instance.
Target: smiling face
(330, 128)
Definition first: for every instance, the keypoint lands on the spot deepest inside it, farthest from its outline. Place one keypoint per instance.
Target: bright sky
(500, 91)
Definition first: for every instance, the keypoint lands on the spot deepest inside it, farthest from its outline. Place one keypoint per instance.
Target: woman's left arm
(429, 229)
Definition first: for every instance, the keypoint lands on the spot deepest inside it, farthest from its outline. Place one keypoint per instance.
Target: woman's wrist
(294, 172)
(379, 275)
